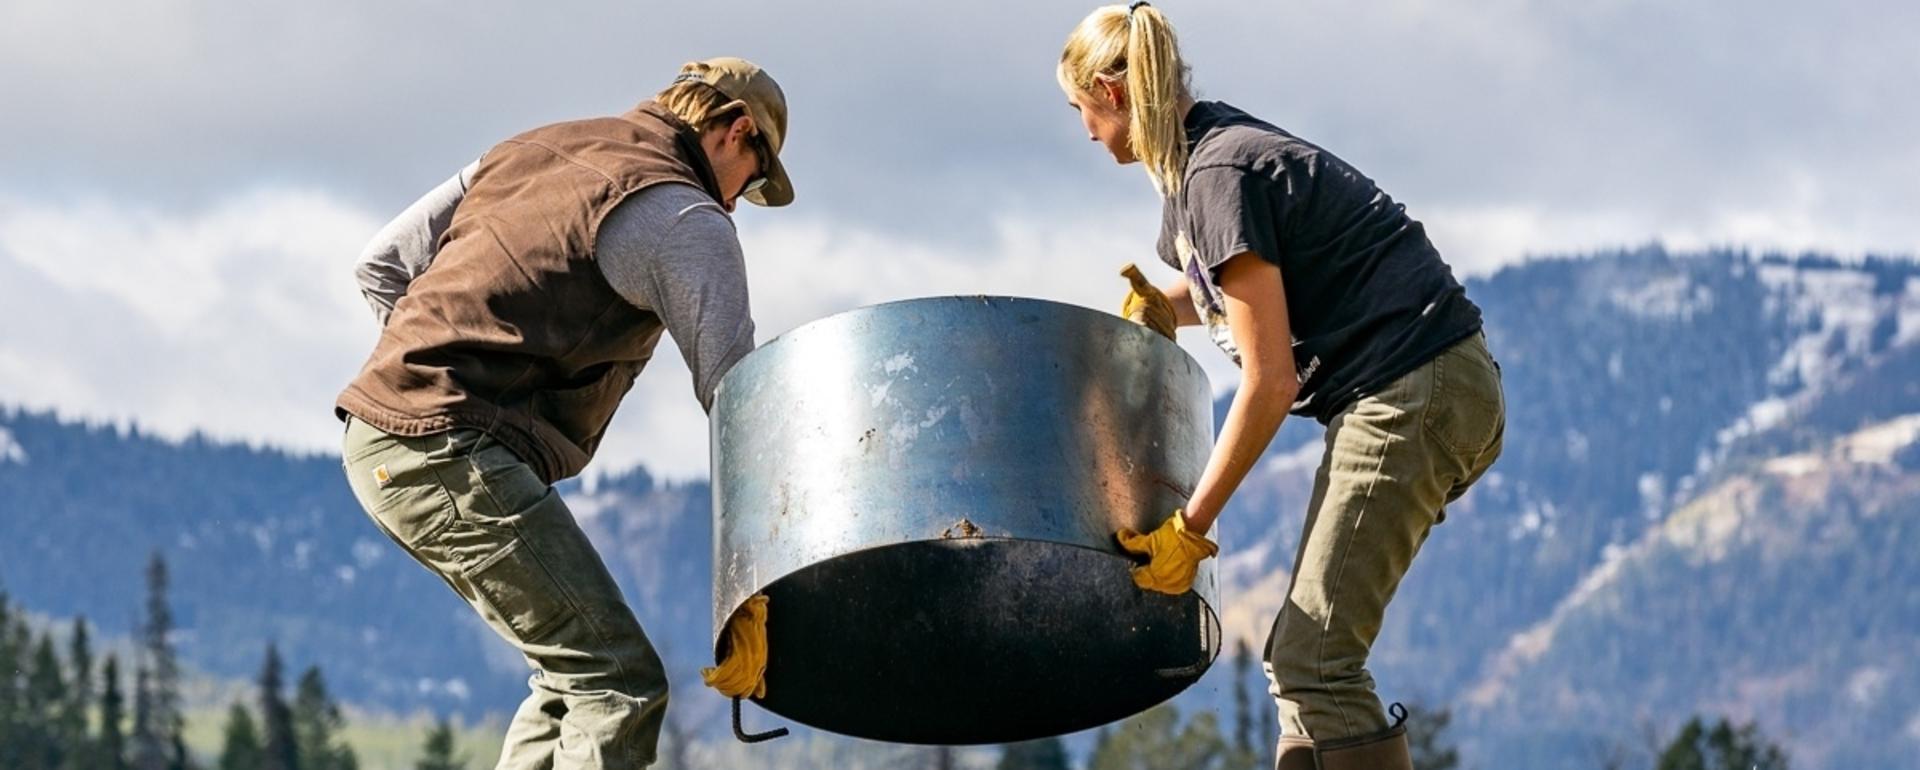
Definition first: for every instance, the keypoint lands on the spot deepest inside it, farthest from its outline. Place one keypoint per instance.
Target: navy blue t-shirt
(1368, 297)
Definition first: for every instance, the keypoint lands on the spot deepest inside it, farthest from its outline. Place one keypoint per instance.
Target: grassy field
(381, 741)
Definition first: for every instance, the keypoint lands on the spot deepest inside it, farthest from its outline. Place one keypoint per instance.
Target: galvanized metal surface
(927, 492)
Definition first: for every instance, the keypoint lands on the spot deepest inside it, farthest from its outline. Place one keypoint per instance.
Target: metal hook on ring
(745, 737)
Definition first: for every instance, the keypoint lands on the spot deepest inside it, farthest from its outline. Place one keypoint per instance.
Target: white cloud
(242, 320)
(931, 149)
(1770, 120)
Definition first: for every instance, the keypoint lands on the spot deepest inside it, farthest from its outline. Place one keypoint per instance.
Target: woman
(1336, 307)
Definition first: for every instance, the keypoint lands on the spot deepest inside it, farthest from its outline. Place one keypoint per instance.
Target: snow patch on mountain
(1705, 529)
(1527, 646)
(1710, 525)
(590, 504)
(1794, 465)
(1303, 457)
(1839, 314)
(10, 449)
(1762, 416)
(1907, 327)
(1880, 443)
(1671, 298)
(1841, 319)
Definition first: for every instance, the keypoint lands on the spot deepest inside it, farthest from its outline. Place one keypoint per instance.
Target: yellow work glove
(742, 674)
(1173, 555)
(1146, 304)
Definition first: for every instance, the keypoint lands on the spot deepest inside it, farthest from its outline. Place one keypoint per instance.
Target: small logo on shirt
(1313, 365)
(1206, 296)
(380, 476)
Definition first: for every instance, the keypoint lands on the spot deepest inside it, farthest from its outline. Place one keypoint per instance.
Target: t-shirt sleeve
(406, 246)
(671, 250)
(1232, 211)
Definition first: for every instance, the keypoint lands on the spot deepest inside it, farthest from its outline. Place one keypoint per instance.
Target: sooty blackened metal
(927, 493)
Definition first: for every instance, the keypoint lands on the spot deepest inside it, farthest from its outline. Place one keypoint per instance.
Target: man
(562, 254)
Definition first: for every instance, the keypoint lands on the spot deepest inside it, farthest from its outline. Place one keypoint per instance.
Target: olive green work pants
(470, 511)
(1393, 460)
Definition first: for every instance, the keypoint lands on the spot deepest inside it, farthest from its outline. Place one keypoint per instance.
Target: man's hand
(1173, 555)
(743, 674)
(1146, 304)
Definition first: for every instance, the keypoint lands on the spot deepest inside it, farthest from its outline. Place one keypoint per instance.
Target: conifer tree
(165, 720)
(1244, 755)
(1155, 739)
(317, 724)
(46, 701)
(76, 710)
(438, 754)
(1042, 754)
(241, 749)
(1720, 747)
(282, 751)
(149, 750)
(1426, 739)
(111, 749)
(12, 695)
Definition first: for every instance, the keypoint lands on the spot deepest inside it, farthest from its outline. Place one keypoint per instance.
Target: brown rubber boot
(1295, 753)
(1384, 750)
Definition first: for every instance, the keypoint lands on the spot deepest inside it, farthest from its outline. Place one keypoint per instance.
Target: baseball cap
(744, 81)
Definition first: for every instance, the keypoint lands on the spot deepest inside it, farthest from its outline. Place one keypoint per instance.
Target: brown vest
(513, 330)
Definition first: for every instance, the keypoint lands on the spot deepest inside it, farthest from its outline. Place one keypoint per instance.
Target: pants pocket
(395, 481)
(517, 586)
(1465, 415)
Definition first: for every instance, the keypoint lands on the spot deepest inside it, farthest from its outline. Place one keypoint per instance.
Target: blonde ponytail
(1136, 43)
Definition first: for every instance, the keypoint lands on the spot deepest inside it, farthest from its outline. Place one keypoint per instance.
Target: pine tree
(1721, 747)
(1042, 754)
(79, 702)
(282, 751)
(1425, 742)
(1744, 748)
(438, 754)
(165, 720)
(12, 697)
(1154, 739)
(111, 749)
(149, 752)
(317, 724)
(46, 701)
(1243, 750)
(241, 750)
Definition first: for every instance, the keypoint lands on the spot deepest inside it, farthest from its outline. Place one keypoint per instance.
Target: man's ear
(741, 129)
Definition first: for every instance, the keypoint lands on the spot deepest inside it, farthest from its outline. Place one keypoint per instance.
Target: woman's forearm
(1252, 420)
(1183, 312)
(1256, 307)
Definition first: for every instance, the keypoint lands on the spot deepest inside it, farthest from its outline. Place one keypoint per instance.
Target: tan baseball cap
(744, 81)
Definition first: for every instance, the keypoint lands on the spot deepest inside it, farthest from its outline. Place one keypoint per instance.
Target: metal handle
(1184, 672)
(745, 737)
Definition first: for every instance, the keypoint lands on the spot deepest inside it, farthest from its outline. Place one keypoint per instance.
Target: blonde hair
(1135, 43)
(702, 106)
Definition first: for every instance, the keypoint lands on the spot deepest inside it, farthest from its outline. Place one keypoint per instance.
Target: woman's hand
(1146, 304)
(1173, 555)
(1256, 305)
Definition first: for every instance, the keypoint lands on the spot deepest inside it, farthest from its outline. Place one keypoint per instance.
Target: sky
(185, 184)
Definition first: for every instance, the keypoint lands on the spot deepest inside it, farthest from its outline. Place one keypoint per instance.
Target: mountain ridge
(1642, 386)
